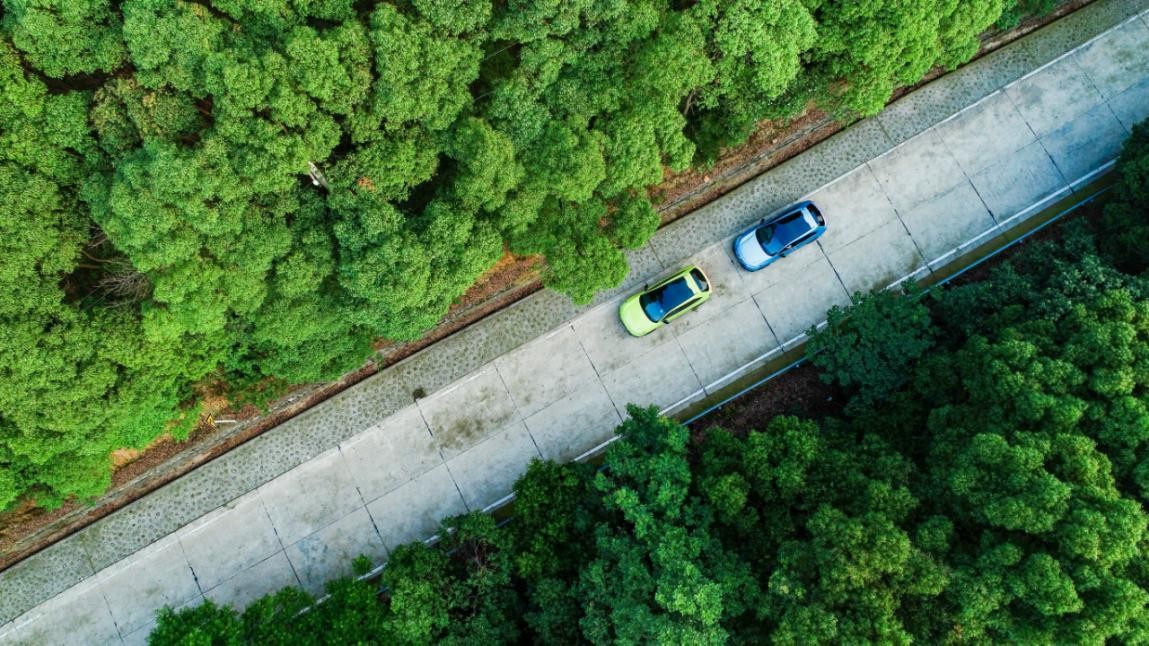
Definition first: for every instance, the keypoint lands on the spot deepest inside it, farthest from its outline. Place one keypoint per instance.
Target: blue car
(778, 236)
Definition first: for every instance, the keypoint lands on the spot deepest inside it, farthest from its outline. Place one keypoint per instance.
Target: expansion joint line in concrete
(762, 311)
(598, 376)
(835, 269)
(518, 411)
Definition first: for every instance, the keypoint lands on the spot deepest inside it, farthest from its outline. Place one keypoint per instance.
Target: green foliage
(65, 37)
(1020, 9)
(126, 116)
(350, 614)
(168, 42)
(871, 345)
(78, 378)
(423, 76)
(531, 20)
(181, 216)
(878, 45)
(659, 574)
(485, 166)
(1125, 223)
(45, 133)
(1035, 427)
(458, 592)
(455, 16)
(759, 48)
(961, 24)
(581, 259)
(556, 512)
(204, 624)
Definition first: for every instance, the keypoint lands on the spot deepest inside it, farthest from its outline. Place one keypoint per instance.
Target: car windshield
(774, 237)
(657, 302)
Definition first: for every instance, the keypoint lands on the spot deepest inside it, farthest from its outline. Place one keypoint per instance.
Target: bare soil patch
(798, 392)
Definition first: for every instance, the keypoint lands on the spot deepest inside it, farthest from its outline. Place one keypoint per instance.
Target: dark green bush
(1021, 9)
(1125, 222)
(870, 347)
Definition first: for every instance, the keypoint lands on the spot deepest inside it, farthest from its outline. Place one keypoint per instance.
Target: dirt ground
(27, 528)
(797, 392)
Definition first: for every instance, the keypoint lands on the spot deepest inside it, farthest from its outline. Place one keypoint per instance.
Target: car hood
(634, 319)
(749, 252)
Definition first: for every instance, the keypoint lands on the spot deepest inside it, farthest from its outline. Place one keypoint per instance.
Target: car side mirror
(645, 286)
(762, 221)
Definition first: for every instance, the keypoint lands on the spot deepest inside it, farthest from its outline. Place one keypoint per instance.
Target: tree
(79, 379)
(423, 77)
(871, 345)
(125, 116)
(659, 573)
(1022, 452)
(866, 49)
(169, 43)
(45, 133)
(1019, 9)
(531, 20)
(333, 67)
(455, 16)
(758, 49)
(556, 512)
(66, 37)
(581, 259)
(206, 623)
(485, 167)
(960, 26)
(1125, 223)
(204, 237)
(458, 592)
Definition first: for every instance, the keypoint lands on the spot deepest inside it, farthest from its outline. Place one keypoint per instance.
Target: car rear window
(817, 213)
(700, 278)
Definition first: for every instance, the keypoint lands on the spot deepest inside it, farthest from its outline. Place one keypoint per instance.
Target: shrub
(870, 346)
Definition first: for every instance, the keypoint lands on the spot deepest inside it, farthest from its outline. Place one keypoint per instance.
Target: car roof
(793, 226)
(677, 292)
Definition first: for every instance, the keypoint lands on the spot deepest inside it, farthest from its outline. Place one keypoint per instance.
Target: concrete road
(945, 168)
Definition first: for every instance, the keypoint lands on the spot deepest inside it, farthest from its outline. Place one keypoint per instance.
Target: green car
(656, 306)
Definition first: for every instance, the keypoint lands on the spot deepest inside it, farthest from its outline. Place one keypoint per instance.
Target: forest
(985, 482)
(161, 229)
